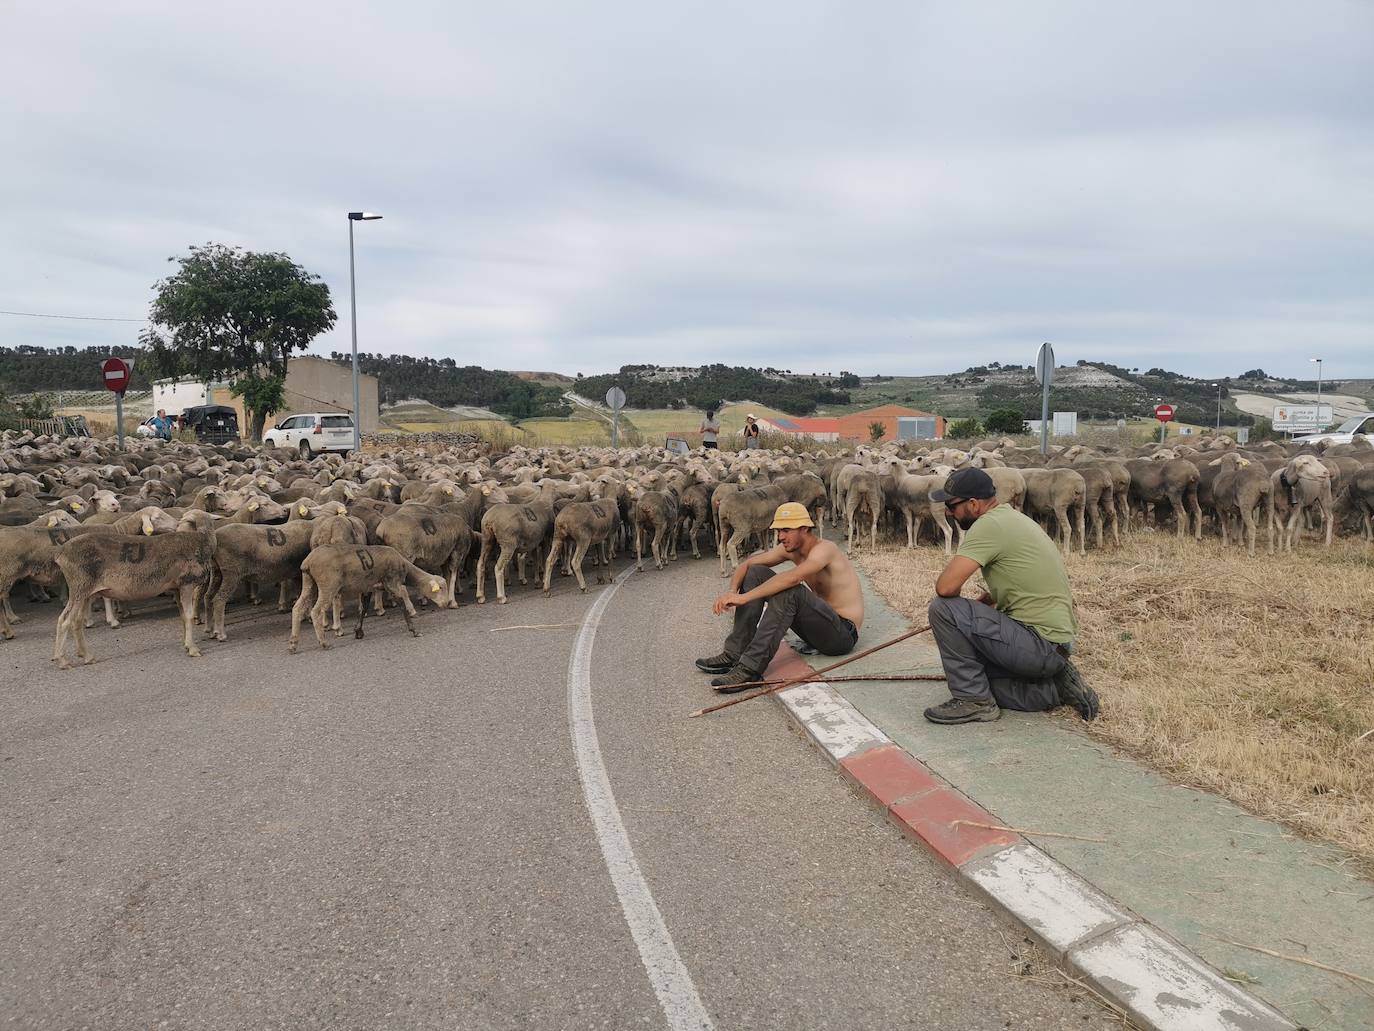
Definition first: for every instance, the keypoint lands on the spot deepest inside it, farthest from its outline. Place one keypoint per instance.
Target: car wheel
(305, 449)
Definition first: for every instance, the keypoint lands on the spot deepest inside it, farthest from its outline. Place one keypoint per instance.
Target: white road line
(677, 995)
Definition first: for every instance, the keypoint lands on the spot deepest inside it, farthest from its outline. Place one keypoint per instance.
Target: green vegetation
(443, 382)
(1005, 420)
(964, 429)
(876, 431)
(649, 386)
(227, 313)
(27, 368)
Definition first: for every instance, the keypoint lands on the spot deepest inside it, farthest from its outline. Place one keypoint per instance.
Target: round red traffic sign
(116, 373)
(1164, 413)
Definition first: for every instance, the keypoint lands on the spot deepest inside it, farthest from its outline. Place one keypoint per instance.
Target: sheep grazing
(1305, 484)
(1238, 491)
(911, 497)
(130, 569)
(1167, 478)
(352, 571)
(1360, 492)
(578, 527)
(1063, 494)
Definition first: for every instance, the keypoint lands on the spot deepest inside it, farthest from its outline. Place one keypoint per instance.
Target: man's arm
(952, 578)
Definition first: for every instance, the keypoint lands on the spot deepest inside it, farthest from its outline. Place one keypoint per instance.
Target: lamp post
(1218, 386)
(1319, 391)
(356, 216)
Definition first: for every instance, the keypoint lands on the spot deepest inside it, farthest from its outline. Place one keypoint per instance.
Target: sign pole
(1044, 372)
(119, 418)
(615, 428)
(615, 401)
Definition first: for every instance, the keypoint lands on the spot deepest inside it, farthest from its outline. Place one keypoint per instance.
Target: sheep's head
(59, 518)
(1309, 467)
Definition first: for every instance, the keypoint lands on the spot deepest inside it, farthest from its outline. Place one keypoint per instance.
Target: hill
(710, 386)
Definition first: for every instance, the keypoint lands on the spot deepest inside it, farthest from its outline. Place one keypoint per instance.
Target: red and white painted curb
(1154, 979)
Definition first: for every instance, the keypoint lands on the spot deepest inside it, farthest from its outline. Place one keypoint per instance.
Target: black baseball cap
(966, 483)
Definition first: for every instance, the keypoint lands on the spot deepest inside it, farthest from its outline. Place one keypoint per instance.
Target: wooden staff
(809, 676)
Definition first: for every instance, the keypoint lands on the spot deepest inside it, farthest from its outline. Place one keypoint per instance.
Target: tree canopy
(227, 313)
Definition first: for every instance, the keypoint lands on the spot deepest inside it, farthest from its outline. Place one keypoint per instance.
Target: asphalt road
(393, 833)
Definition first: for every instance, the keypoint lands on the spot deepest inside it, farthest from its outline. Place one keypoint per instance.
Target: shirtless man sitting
(819, 598)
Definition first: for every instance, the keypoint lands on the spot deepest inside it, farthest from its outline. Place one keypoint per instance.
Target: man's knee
(753, 576)
(942, 610)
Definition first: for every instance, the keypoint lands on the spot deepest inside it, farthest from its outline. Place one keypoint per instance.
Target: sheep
(517, 530)
(1239, 488)
(267, 554)
(694, 512)
(655, 512)
(579, 526)
(742, 514)
(1360, 493)
(1171, 479)
(1059, 492)
(96, 565)
(435, 539)
(1305, 483)
(911, 497)
(335, 570)
(863, 492)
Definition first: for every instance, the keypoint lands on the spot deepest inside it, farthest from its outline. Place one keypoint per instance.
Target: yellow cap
(791, 515)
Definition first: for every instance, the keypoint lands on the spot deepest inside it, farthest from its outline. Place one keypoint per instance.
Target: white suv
(312, 433)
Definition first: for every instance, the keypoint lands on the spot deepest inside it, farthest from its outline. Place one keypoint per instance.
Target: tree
(876, 431)
(1005, 420)
(963, 429)
(227, 313)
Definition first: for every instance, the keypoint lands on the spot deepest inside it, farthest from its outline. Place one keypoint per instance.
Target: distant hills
(1096, 390)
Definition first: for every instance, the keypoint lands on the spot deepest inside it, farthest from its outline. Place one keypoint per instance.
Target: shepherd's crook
(810, 675)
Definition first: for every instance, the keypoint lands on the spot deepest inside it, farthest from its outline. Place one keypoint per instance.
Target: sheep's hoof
(282, 610)
(255, 601)
(324, 646)
(547, 593)
(193, 652)
(481, 601)
(500, 601)
(584, 590)
(219, 636)
(91, 658)
(358, 634)
(291, 647)
(17, 619)
(454, 605)
(63, 664)
(338, 631)
(415, 633)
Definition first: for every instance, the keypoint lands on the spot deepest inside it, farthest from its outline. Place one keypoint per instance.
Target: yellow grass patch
(1251, 677)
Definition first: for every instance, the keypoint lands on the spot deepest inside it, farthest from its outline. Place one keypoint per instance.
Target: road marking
(677, 995)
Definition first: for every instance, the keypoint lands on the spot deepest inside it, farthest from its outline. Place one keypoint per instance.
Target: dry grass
(1253, 678)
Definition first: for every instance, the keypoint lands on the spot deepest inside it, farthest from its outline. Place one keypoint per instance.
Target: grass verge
(1252, 678)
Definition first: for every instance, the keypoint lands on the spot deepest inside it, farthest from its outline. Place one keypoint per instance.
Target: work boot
(963, 710)
(734, 681)
(722, 663)
(1074, 690)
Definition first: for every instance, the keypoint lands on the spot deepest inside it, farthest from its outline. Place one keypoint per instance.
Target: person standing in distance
(1009, 648)
(751, 432)
(710, 430)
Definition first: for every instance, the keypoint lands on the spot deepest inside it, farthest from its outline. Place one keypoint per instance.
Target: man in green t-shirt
(1008, 649)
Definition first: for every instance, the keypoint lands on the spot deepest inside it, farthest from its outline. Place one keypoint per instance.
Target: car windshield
(1350, 425)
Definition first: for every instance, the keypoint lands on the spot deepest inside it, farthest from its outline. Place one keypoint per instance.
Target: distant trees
(712, 383)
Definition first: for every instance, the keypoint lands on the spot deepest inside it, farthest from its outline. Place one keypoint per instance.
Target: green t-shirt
(1023, 571)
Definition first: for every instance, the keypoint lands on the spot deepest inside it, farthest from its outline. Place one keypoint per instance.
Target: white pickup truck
(1342, 434)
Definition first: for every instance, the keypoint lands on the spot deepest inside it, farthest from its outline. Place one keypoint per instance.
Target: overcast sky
(897, 187)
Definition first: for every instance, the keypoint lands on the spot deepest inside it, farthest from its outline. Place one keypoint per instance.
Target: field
(1251, 678)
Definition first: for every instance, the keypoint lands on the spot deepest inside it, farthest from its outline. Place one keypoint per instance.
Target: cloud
(912, 188)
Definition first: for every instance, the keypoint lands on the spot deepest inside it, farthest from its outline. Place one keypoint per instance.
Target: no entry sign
(116, 373)
(1164, 413)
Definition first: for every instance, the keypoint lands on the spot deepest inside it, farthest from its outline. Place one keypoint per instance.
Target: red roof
(817, 425)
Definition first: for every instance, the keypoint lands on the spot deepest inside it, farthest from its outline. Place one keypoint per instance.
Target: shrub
(876, 431)
(1005, 420)
(963, 429)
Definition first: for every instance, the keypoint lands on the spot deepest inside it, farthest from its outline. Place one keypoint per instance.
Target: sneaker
(735, 681)
(1073, 690)
(963, 710)
(722, 663)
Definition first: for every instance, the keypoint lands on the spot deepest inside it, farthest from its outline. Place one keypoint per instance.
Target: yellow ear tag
(252, 506)
(302, 509)
(147, 529)
(434, 588)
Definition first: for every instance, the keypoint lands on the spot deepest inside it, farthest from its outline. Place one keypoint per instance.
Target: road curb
(1157, 981)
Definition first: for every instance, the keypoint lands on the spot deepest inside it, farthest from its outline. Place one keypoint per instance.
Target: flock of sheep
(208, 523)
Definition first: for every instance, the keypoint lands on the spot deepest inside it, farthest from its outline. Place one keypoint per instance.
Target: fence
(60, 426)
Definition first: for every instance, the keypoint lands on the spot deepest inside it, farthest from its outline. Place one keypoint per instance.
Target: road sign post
(115, 373)
(615, 400)
(1165, 414)
(1044, 375)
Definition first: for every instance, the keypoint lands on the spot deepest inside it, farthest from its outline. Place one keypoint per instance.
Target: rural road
(394, 833)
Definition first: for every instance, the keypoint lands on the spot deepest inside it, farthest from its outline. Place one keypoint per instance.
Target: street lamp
(1218, 386)
(356, 216)
(1319, 391)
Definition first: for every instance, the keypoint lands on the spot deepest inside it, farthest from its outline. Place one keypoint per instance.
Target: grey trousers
(988, 656)
(760, 625)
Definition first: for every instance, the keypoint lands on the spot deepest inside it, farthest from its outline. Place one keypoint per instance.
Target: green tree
(1005, 420)
(963, 429)
(37, 406)
(227, 313)
(876, 431)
